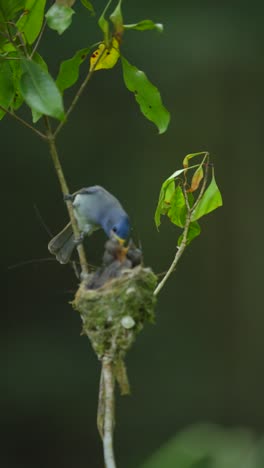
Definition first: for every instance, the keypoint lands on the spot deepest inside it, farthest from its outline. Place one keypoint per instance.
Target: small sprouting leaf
(9, 8)
(196, 179)
(145, 25)
(7, 89)
(185, 162)
(30, 22)
(117, 18)
(104, 24)
(88, 5)
(210, 200)
(59, 17)
(147, 96)
(194, 231)
(69, 70)
(40, 91)
(104, 57)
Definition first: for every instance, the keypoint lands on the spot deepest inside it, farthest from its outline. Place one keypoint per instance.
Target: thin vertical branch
(39, 38)
(109, 409)
(65, 191)
(101, 406)
(74, 102)
(79, 93)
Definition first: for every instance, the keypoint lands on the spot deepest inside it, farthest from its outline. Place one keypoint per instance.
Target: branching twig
(26, 124)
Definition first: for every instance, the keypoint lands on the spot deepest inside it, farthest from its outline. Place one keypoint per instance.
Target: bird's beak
(116, 237)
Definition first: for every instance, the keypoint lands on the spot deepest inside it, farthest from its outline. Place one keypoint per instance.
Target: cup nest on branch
(116, 301)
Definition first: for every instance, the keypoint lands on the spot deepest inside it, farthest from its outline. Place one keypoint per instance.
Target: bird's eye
(114, 228)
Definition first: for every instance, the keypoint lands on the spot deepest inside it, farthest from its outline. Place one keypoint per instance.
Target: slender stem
(39, 39)
(74, 102)
(26, 124)
(65, 191)
(177, 257)
(101, 406)
(109, 403)
(78, 94)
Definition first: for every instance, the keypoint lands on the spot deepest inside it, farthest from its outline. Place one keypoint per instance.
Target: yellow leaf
(105, 57)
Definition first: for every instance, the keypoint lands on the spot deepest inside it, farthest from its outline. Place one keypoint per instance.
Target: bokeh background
(202, 362)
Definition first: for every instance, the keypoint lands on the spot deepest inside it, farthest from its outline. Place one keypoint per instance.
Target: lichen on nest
(115, 313)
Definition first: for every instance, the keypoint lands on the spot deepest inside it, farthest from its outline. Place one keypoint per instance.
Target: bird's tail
(62, 245)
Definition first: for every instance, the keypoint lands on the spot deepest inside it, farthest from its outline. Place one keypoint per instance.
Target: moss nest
(114, 314)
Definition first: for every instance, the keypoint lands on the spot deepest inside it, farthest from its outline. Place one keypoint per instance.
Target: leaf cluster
(186, 196)
(24, 75)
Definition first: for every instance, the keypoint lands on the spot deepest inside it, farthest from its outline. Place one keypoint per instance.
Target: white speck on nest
(128, 322)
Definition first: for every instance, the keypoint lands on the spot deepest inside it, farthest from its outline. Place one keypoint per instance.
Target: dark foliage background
(203, 360)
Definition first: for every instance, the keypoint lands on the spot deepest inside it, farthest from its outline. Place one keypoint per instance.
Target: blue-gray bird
(94, 208)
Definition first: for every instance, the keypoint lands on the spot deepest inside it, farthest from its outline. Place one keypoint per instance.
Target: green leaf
(210, 200)
(166, 193)
(69, 70)
(104, 24)
(9, 8)
(6, 47)
(17, 71)
(187, 158)
(59, 17)
(40, 91)
(177, 210)
(194, 231)
(144, 25)
(38, 59)
(207, 446)
(31, 22)
(7, 89)
(147, 96)
(89, 6)
(117, 18)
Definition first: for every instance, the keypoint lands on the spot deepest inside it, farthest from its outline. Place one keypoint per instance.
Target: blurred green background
(203, 360)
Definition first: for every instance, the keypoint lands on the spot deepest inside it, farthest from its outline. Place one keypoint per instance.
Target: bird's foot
(68, 197)
(79, 239)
